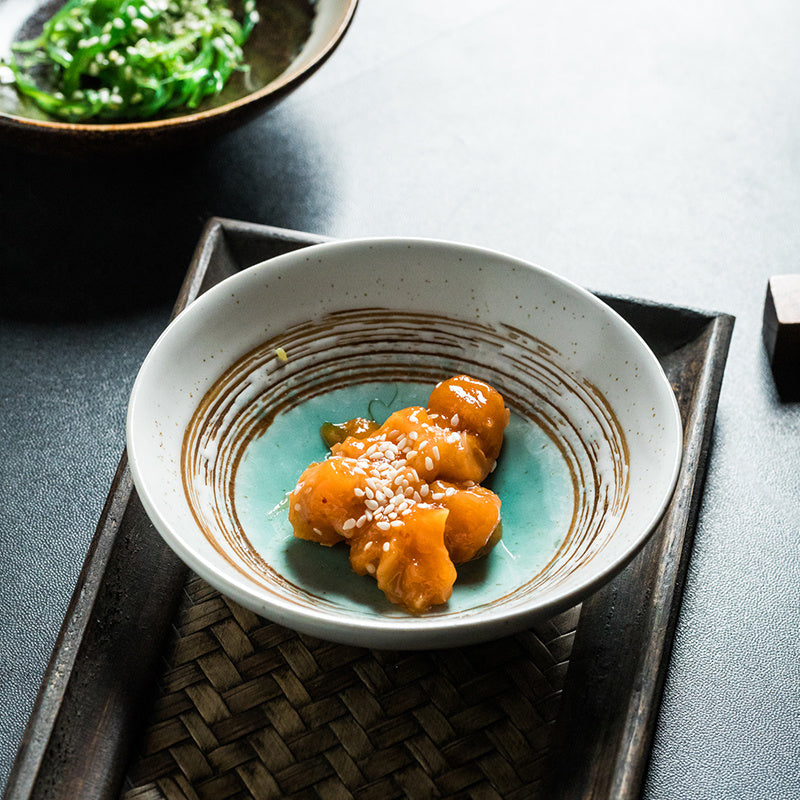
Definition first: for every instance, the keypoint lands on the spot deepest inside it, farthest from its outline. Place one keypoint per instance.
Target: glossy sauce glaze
(406, 495)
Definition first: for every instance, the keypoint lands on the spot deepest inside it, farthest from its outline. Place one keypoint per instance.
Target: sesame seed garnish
(371, 569)
(429, 463)
(386, 547)
(384, 526)
(348, 524)
(454, 420)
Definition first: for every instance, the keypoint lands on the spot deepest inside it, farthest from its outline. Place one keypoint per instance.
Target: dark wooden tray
(159, 687)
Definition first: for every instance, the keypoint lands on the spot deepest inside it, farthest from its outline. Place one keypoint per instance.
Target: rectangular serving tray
(159, 687)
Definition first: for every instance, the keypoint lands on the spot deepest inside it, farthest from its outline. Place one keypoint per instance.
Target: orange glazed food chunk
(406, 495)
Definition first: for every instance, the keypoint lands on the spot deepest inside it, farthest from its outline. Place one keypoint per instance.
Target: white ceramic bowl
(221, 424)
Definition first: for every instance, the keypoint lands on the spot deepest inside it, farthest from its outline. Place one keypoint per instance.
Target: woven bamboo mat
(249, 709)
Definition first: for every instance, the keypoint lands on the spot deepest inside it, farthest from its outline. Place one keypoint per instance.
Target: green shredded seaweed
(131, 59)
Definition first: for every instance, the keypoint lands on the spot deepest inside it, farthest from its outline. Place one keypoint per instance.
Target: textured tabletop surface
(650, 150)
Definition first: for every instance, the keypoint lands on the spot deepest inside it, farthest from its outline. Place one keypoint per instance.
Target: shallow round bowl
(225, 414)
(292, 40)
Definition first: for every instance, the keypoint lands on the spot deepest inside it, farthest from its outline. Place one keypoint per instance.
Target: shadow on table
(92, 236)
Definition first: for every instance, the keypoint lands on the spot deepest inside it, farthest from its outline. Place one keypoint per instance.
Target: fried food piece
(405, 496)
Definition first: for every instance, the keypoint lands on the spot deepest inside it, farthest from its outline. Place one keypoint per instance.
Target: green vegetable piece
(131, 59)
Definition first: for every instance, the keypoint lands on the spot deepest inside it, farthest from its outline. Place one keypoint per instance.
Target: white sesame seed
(454, 420)
(371, 505)
(386, 547)
(436, 452)
(411, 453)
(358, 491)
(428, 463)
(384, 526)
(396, 523)
(348, 524)
(422, 444)
(423, 490)
(297, 506)
(413, 435)
(371, 569)
(361, 521)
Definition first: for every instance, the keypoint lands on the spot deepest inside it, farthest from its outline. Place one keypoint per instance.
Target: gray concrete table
(645, 149)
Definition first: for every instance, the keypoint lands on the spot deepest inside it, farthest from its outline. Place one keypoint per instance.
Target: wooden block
(781, 331)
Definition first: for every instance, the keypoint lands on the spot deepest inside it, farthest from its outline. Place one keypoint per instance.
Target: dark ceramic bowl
(276, 67)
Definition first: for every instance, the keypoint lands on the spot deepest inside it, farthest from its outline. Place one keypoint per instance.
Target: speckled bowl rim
(376, 631)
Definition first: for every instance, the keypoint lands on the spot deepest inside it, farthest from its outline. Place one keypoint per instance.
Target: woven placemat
(249, 709)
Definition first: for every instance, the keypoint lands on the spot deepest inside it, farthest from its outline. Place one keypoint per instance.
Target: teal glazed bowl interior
(226, 410)
(292, 39)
